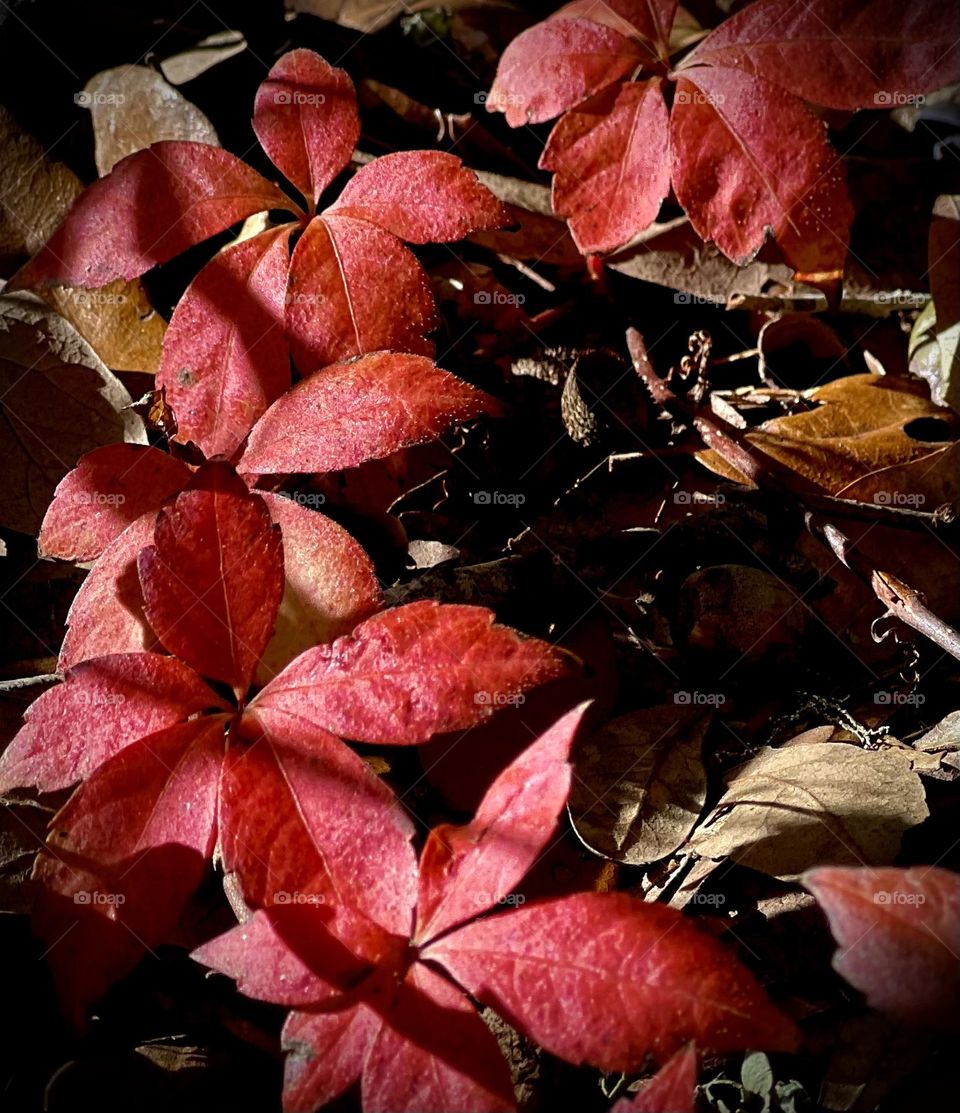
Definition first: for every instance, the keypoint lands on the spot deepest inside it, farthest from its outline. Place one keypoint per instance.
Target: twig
(764, 470)
(901, 600)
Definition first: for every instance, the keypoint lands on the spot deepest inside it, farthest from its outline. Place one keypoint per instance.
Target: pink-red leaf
(151, 206)
(325, 1054)
(421, 197)
(305, 117)
(466, 870)
(673, 1089)
(109, 488)
(354, 288)
(557, 64)
(897, 933)
(360, 411)
(101, 707)
(651, 19)
(403, 676)
(737, 177)
(638, 977)
(330, 583)
(106, 615)
(322, 828)
(213, 579)
(433, 1052)
(225, 356)
(160, 789)
(611, 163)
(840, 53)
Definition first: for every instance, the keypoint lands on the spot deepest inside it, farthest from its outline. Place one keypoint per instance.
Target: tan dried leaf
(790, 809)
(640, 784)
(219, 47)
(133, 107)
(117, 321)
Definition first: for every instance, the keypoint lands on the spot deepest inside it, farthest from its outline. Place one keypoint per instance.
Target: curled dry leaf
(897, 931)
(58, 400)
(940, 332)
(870, 435)
(790, 809)
(132, 107)
(640, 784)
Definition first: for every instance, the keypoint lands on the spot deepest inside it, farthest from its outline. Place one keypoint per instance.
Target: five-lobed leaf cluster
(227, 648)
(728, 127)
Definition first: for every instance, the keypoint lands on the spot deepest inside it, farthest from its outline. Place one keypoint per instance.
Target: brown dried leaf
(873, 437)
(534, 232)
(58, 400)
(373, 15)
(790, 809)
(37, 191)
(672, 254)
(640, 784)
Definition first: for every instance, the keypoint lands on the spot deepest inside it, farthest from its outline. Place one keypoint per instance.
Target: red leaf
(638, 978)
(433, 1052)
(840, 53)
(673, 1089)
(329, 583)
(354, 412)
(106, 615)
(325, 1055)
(225, 356)
(213, 579)
(555, 65)
(651, 19)
(466, 870)
(159, 790)
(322, 828)
(897, 932)
(151, 206)
(611, 158)
(421, 197)
(101, 707)
(403, 676)
(736, 176)
(354, 288)
(126, 854)
(286, 956)
(305, 117)
(108, 489)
